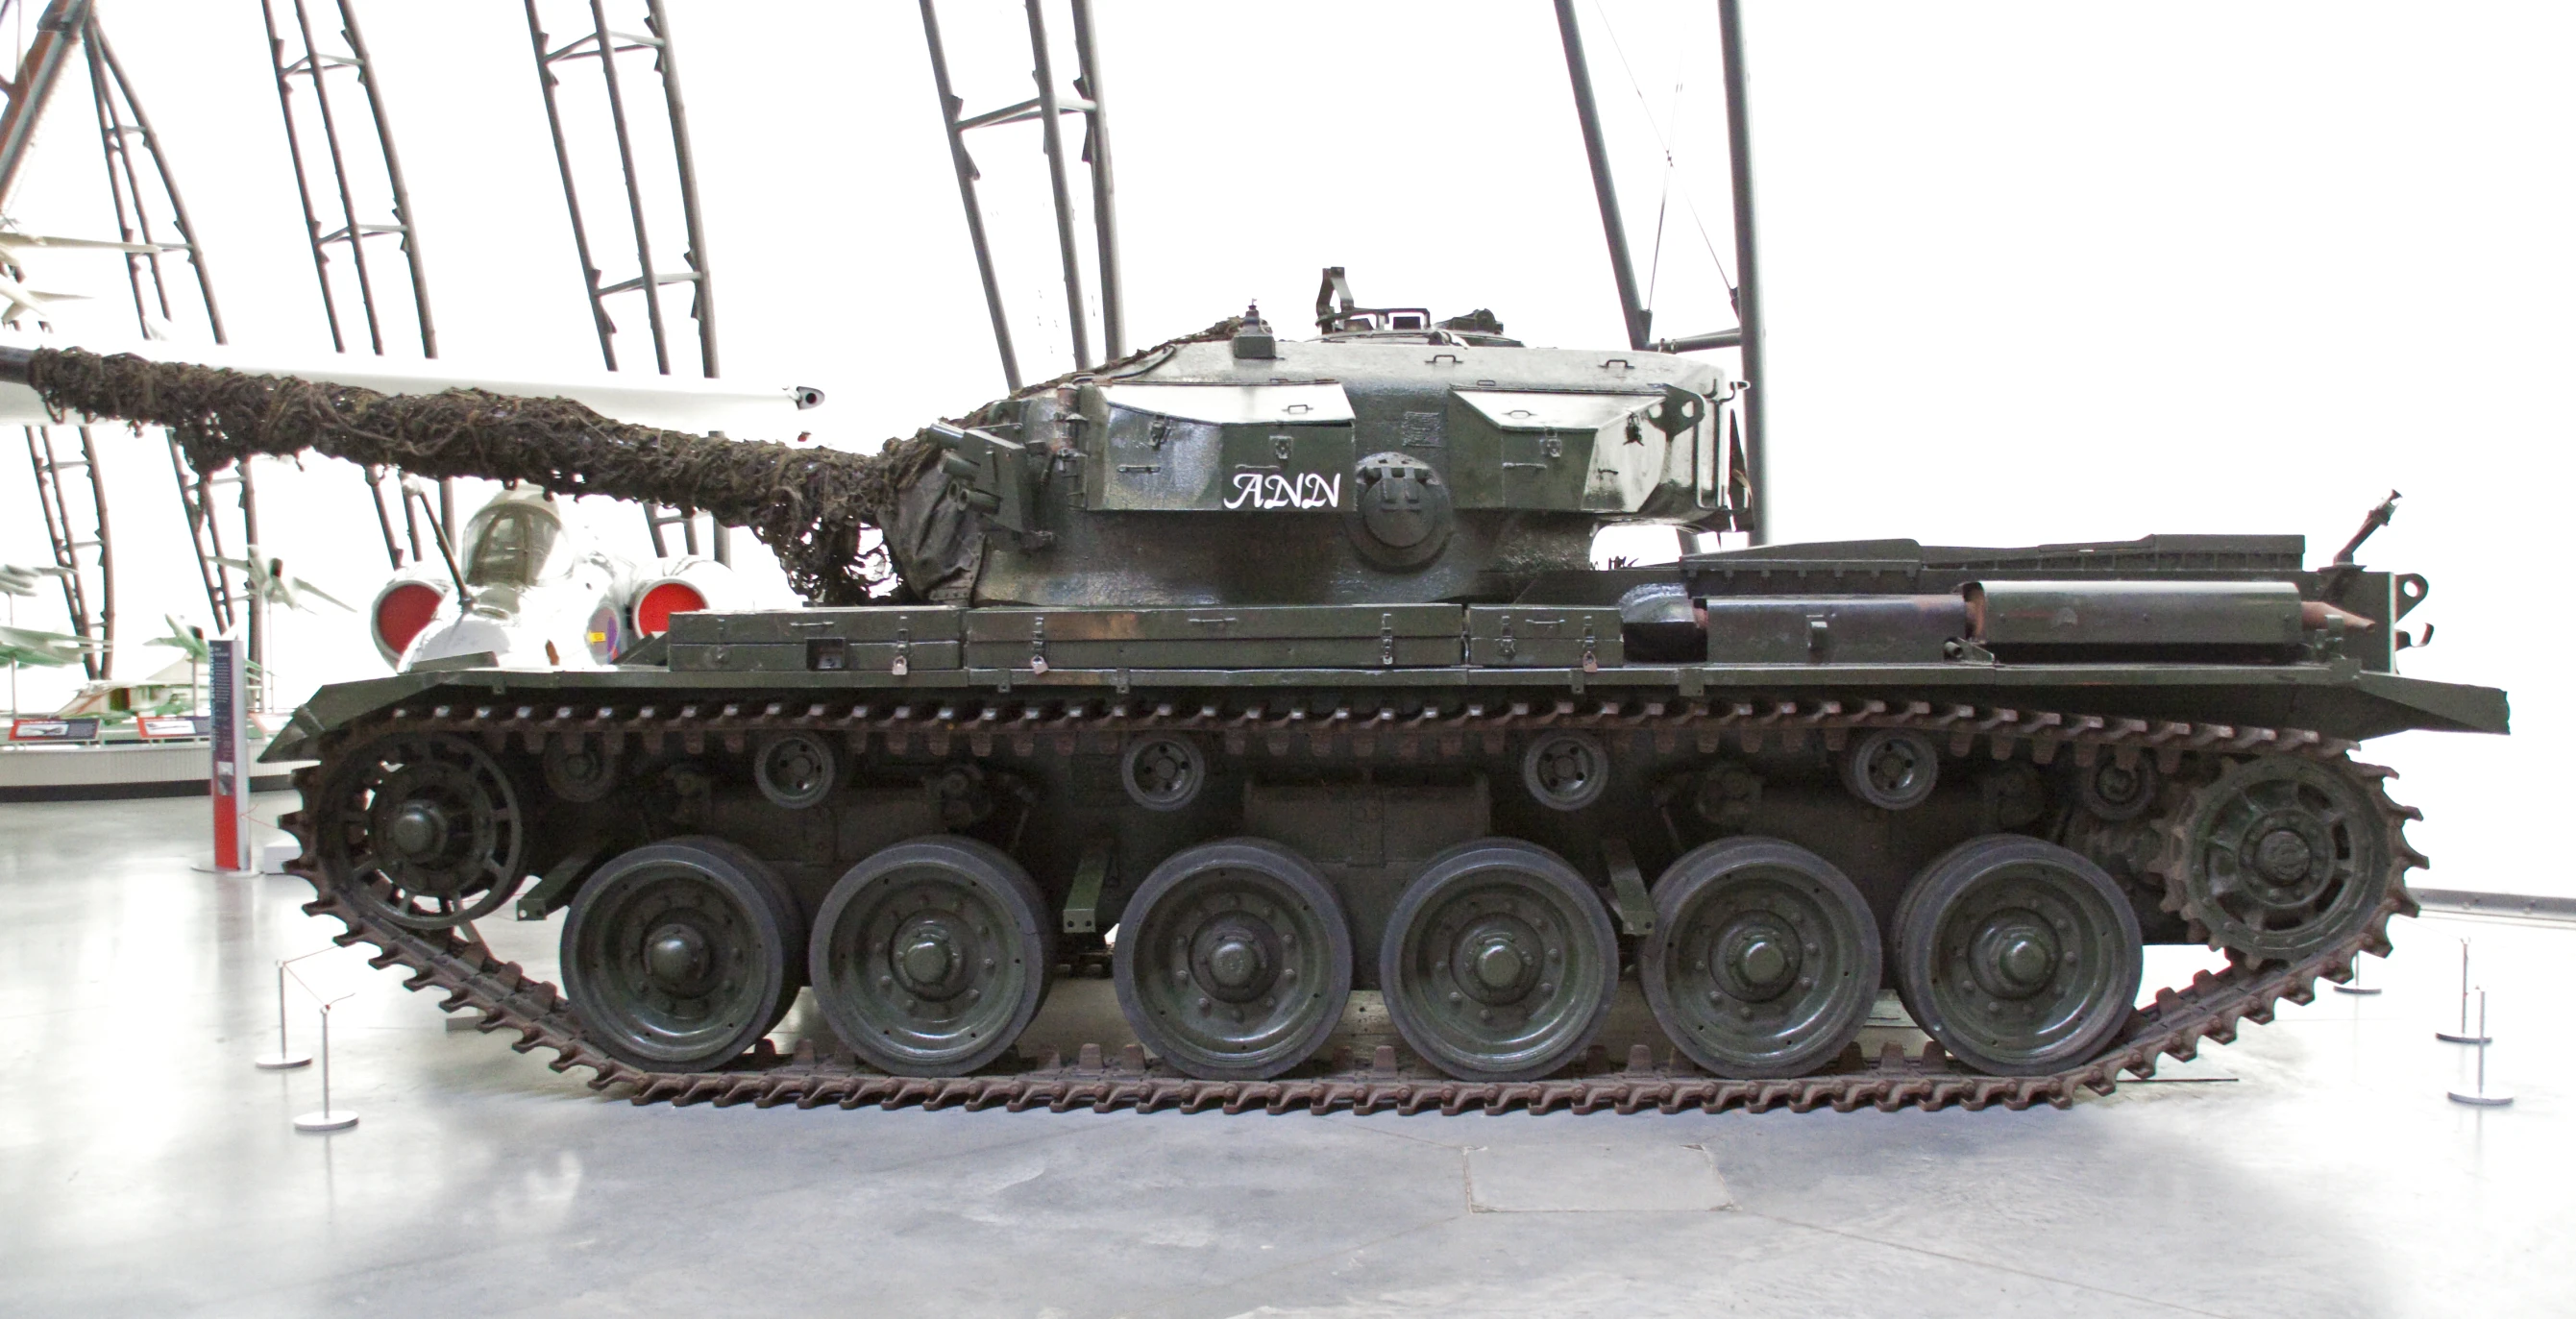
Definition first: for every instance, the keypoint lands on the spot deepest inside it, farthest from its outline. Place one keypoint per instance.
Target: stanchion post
(2462, 1035)
(2354, 985)
(284, 1058)
(2482, 1097)
(327, 1118)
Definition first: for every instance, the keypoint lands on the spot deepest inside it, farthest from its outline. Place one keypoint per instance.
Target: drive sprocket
(2279, 858)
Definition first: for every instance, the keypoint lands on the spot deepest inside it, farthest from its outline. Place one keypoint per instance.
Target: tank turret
(1391, 460)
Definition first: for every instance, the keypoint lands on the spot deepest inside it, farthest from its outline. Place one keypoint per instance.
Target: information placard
(53, 730)
(230, 781)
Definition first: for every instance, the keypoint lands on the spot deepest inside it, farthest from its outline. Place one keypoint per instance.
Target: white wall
(2035, 271)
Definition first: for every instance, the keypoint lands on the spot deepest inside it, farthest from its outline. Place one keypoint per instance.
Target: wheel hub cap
(1764, 962)
(675, 956)
(1498, 959)
(2015, 955)
(1893, 768)
(1758, 957)
(928, 960)
(1236, 957)
(1234, 962)
(1566, 769)
(2025, 961)
(2282, 856)
(418, 829)
(925, 957)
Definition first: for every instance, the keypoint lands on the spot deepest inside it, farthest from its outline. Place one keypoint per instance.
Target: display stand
(2462, 1035)
(229, 784)
(284, 1059)
(326, 1118)
(2482, 1097)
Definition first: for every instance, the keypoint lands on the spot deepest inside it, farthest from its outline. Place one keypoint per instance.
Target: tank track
(508, 1000)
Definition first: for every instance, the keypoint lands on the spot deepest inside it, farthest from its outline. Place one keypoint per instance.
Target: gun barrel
(807, 504)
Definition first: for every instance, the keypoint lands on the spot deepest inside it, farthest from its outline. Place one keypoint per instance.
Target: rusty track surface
(2212, 1007)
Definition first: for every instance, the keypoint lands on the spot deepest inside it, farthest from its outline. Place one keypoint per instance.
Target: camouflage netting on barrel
(807, 504)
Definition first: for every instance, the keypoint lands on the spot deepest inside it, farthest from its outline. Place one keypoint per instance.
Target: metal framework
(649, 32)
(312, 66)
(1048, 108)
(72, 540)
(140, 182)
(89, 582)
(1752, 516)
(38, 73)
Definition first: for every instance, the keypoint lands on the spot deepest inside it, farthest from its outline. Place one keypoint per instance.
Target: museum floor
(2312, 1169)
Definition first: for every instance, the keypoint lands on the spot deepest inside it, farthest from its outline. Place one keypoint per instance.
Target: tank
(1258, 673)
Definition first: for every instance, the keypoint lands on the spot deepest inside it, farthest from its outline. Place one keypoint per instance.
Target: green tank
(1259, 673)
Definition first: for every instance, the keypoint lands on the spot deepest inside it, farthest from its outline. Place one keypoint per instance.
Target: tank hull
(1369, 775)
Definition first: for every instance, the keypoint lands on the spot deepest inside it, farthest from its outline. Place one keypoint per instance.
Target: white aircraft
(269, 582)
(538, 593)
(26, 645)
(21, 300)
(15, 580)
(526, 589)
(188, 641)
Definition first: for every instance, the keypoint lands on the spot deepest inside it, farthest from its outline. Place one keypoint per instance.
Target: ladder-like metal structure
(150, 211)
(643, 28)
(1749, 500)
(89, 584)
(65, 487)
(1048, 108)
(301, 62)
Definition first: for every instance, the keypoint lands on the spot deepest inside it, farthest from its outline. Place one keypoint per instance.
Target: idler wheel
(2019, 956)
(1163, 771)
(1764, 961)
(1499, 961)
(421, 829)
(1566, 771)
(2116, 792)
(1233, 960)
(795, 770)
(679, 954)
(1893, 769)
(2279, 859)
(580, 768)
(930, 956)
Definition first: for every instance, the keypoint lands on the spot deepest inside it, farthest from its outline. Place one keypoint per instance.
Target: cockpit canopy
(515, 542)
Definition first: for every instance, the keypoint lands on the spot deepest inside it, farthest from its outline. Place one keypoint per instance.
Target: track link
(508, 1000)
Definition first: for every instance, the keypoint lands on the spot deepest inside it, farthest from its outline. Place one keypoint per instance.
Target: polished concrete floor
(2312, 1169)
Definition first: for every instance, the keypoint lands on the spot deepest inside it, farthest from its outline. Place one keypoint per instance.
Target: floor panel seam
(1982, 1264)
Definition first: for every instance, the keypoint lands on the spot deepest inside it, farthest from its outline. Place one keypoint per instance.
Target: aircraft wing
(28, 636)
(303, 587)
(8, 240)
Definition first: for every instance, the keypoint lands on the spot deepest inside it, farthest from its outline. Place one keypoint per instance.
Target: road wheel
(1233, 960)
(677, 955)
(1764, 961)
(1499, 961)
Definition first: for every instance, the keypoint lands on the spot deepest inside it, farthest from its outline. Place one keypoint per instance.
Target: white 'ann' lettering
(1269, 490)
